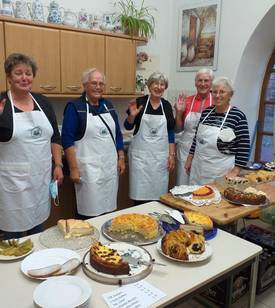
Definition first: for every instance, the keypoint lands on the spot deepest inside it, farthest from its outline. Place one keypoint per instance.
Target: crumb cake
(74, 227)
(143, 224)
(107, 260)
(203, 192)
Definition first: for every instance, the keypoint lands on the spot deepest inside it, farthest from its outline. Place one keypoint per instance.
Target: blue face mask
(53, 187)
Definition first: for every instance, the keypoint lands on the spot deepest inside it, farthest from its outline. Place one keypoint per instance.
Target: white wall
(247, 38)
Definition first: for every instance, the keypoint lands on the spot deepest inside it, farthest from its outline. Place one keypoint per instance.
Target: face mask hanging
(53, 187)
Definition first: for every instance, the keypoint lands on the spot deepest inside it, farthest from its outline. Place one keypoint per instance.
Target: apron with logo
(25, 171)
(97, 161)
(185, 142)
(148, 157)
(208, 162)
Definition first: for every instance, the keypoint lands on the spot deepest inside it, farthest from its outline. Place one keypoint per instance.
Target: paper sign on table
(137, 295)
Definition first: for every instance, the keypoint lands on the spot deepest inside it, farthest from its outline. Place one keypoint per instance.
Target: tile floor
(263, 300)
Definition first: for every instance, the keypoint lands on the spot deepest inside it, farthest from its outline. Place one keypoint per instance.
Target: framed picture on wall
(198, 35)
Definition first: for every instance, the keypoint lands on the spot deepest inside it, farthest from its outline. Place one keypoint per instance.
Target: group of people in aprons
(214, 134)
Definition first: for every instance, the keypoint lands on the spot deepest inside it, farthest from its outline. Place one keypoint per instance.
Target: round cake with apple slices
(203, 192)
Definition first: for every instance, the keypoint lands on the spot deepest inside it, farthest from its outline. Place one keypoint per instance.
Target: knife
(136, 261)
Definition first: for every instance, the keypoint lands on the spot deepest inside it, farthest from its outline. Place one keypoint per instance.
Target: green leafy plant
(136, 21)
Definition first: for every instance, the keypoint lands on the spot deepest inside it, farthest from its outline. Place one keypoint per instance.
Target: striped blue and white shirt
(237, 121)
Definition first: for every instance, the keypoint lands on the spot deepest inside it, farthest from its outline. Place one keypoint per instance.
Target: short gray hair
(87, 74)
(207, 71)
(155, 77)
(224, 81)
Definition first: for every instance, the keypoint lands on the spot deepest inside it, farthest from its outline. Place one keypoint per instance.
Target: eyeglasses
(95, 84)
(221, 92)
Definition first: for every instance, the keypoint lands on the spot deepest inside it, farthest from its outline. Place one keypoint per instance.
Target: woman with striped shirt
(221, 143)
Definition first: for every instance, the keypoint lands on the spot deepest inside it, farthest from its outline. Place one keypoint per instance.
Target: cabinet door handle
(115, 89)
(73, 88)
(47, 87)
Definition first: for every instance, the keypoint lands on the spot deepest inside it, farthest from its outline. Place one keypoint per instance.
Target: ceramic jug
(70, 18)
(7, 8)
(95, 22)
(55, 14)
(21, 9)
(36, 10)
(107, 24)
(83, 19)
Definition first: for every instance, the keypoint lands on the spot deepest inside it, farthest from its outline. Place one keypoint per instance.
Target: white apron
(185, 142)
(97, 161)
(148, 157)
(208, 162)
(25, 171)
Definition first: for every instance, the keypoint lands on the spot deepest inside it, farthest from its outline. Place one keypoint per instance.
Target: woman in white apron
(151, 151)
(188, 112)
(25, 157)
(95, 158)
(205, 160)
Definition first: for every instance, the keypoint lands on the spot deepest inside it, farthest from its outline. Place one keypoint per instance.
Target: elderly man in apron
(93, 146)
(188, 112)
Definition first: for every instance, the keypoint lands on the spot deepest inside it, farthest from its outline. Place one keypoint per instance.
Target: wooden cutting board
(224, 212)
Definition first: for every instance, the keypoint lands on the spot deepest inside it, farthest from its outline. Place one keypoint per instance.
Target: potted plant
(135, 21)
(140, 83)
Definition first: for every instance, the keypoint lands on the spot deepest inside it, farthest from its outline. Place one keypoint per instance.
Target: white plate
(47, 257)
(63, 292)
(192, 257)
(11, 258)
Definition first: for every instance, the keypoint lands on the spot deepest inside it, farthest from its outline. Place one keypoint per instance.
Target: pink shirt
(196, 105)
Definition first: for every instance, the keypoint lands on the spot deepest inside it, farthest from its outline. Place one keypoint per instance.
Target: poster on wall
(198, 35)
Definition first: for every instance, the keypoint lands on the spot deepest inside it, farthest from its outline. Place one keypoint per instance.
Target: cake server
(136, 261)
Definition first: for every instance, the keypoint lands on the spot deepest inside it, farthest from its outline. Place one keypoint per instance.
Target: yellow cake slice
(74, 227)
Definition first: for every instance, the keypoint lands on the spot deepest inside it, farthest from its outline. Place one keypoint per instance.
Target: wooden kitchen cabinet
(120, 65)
(43, 44)
(79, 51)
(62, 53)
(2, 59)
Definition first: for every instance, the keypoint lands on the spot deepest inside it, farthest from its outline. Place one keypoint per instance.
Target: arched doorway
(265, 142)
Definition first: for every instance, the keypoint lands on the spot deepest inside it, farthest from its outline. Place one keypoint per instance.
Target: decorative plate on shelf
(130, 237)
(192, 257)
(137, 271)
(53, 238)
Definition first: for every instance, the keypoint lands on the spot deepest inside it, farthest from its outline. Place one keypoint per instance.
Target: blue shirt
(74, 122)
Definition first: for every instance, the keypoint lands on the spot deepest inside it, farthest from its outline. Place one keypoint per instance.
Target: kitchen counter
(176, 280)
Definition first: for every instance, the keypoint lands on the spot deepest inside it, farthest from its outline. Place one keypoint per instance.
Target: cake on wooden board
(203, 192)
